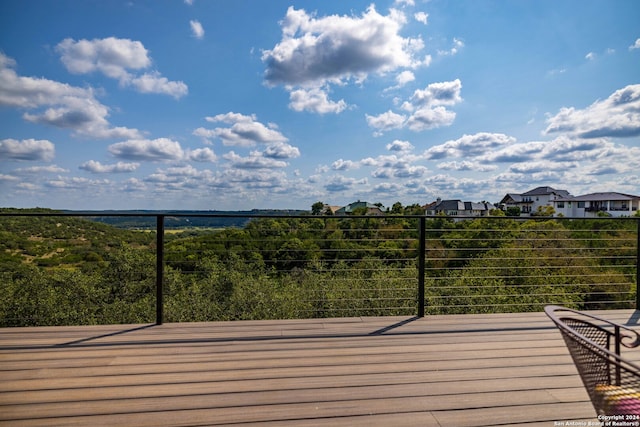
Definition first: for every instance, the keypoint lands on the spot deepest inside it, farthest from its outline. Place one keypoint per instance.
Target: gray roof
(598, 197)
(458, 205)
(515, 197)
(542, 191)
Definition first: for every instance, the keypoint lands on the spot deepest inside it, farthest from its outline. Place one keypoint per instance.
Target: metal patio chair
(612, 382)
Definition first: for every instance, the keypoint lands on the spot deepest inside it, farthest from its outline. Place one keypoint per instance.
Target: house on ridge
(350, 208)
(458, 208)
(596, 204)
(530, 201)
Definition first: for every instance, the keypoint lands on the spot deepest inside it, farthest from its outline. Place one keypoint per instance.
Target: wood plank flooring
(458, 370)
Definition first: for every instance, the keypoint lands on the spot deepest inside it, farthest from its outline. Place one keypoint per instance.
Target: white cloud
(42, 169)
(466, 165)
(26, 149)
(154, 83)
(405, 77)
(68, 106)
(402, 146)
(426, 107)
(161, 149)
(636, 45)
(244, 131)
(202, 155)
(314, 100)
(8, 178)
(590, 56)
(441, 93)
(385, 121)
(616, 116)
(110, 56)
(421, 17)
(469, 145)
(457, 44)
(281, 150)
(343, 165)
(196, 29)
(255, 160)
(339, 183)
(542, 166)
(317, 50)
(120, 167)
(430, 118)
(76, 183)
(114, 58)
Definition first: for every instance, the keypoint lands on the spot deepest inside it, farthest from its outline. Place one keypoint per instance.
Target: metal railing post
(421, 265)
(159, 268)
(638, 264)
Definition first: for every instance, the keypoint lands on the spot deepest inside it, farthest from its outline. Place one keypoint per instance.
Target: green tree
(317, 208)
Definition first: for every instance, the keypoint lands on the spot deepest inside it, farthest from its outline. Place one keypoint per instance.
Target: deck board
(458, 370)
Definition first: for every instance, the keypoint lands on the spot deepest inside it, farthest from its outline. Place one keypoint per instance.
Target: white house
(530, 201)
(594, 204)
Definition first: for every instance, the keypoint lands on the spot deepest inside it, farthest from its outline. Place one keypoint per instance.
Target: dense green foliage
(57, 270)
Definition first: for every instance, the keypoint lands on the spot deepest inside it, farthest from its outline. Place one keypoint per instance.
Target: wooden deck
(459, 370)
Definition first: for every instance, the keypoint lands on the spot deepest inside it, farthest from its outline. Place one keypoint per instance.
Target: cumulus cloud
(314, 100)
(114, 57)
(405, 77)
(541, 166)
(421, 17)
(402, 146)
(436, 94)
(400, 171)
(426, 107)
(196, 29)
(385, 122)
(344, 165)
(202, 155)
(154, 83)
(636, 45)
(469, 145)
(94, 166)
(315, 50)
(255, 160)
(42, 169)
(26, 149)
(244, 131)
(110, 56)
(8, 178)
(75, 183)
(339, 183)
(430, 118)
(65, 106)
(466, 165)
(161, 149)
(616, 116)
(281, 150)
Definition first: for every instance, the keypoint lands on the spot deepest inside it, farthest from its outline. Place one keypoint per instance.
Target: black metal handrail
(424, 252)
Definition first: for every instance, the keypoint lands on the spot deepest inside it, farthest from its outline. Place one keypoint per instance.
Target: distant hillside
(181, 218)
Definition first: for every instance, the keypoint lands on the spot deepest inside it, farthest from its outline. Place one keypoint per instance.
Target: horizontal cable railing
(61, 268)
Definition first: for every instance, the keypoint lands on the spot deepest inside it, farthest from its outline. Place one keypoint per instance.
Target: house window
(580, 205)
(560, 205)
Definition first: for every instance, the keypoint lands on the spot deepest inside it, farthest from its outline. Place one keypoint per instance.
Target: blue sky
(242, 104)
